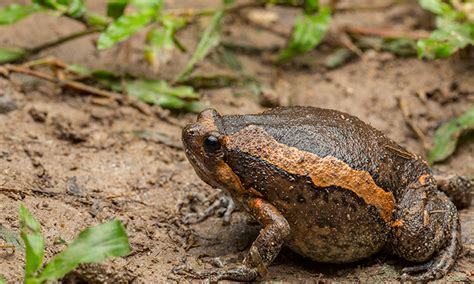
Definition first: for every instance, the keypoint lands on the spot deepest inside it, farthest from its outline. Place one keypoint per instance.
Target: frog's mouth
(200, 169)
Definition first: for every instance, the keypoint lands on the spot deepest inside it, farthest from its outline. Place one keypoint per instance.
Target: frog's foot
(224, 206)
(239, 273)
(458, 188)
(429, 231)
(430, 270)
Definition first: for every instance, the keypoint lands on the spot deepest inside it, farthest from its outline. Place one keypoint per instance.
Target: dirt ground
(74, 163)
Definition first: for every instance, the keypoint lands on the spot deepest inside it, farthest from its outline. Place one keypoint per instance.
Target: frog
(328, 186)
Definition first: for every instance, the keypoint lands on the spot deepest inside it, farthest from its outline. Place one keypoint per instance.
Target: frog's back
(330, 133)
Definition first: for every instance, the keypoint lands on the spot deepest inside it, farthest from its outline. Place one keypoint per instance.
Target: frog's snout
(188, 136)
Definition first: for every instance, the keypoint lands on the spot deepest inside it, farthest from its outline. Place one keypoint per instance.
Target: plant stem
(386, 33)
(62, 40)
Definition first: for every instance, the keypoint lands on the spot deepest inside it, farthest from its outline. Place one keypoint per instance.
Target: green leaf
(210, 38)
(122, 28)
(73, 8)
(96, 20)
(446, 40)
(126, 25)
(163, 37)
(51, 4)
(307, 33)
(400, 46)
(79, 70)
(34, 244)
(160, 93)
(11, 54)
(115, 8)
(13, 13)
(311, 6)
(441, 8)
(447, 136)
(76, 8)
(2, 280)
(93, 245)
(216, 81)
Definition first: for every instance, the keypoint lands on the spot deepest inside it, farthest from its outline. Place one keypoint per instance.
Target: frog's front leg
(427, 231)
(263, 250)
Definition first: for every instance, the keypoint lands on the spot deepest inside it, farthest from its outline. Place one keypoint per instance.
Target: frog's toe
(423, 277)
(431, 270)
(417, 268)
(240, 273)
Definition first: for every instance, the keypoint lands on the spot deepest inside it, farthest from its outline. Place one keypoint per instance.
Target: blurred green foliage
(454, 30)
(447, 136)
(124, 18)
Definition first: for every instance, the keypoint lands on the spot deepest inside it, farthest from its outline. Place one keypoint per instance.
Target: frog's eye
(212, 144)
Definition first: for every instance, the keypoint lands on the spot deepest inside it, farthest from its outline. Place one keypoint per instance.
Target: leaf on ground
(338, 58)
(209, 39)
(447, 136)
(14, 13)
(160, 93)
(159, 137)
(93, 245)
(230, 59)
(11, 238)
(11, 54)
(211, 81)
(307, 33)
(401, 46)
(30, 231)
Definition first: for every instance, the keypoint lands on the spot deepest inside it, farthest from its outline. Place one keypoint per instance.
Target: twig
(386, 33)
(62, 82)
(346, 41)
(210, 11)
(379, 6)
(62, 40)
(402, 104)
(127, 100)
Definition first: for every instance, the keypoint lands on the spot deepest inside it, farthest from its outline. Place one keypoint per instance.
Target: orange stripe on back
(324, 172)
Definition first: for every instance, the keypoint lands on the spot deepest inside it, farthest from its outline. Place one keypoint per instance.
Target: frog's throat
(324, 172)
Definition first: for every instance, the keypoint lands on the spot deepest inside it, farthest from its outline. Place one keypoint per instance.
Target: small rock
(38, 115)
(73, 188)
(262, 17)
(7, 104)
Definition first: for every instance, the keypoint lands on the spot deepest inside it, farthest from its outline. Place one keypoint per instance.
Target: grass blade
(210, 38)
(11, 54)
(14, 13)
(34, 243)
(447, 136)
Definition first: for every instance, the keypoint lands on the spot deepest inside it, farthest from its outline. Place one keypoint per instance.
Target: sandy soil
(75, 163)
